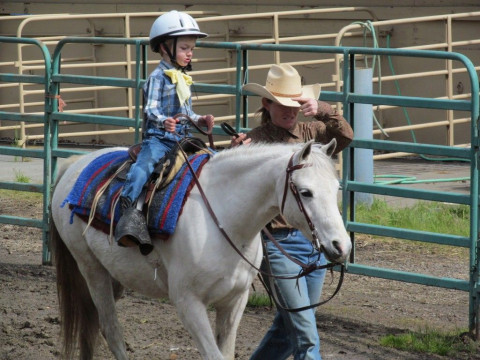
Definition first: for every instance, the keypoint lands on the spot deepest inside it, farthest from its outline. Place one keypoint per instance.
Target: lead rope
(272, 292)
(306, 269)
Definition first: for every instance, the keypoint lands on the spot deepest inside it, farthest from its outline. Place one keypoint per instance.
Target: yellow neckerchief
(183, 82)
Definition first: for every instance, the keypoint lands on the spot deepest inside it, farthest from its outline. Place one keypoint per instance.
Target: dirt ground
(350, 325)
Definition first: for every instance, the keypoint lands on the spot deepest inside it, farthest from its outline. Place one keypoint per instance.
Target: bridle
(289, 183)
(306, 268)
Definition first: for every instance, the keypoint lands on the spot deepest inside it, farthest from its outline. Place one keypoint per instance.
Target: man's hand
(239, 140)
(312, 107)
(308, 107)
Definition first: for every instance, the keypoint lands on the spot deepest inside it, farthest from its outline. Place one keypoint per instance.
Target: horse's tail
(78, 314)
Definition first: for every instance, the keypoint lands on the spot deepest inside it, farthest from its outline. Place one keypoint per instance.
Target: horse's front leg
(228, 320)
(193, 314)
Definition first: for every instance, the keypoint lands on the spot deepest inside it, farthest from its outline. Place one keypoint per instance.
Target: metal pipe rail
(135, 83)
(353, 30)
(133, 124)
(44, 154)
(448, 45)
(23, 65)
(348, 99)
(128, 18)
(467, 153)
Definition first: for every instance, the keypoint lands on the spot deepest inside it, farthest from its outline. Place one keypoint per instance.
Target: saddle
(168, 166)
(94, 197)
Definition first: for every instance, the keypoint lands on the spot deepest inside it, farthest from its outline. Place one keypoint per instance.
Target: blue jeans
(292, 332)
(153, 149)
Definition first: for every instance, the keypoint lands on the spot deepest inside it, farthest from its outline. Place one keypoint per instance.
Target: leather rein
(306, 268)
(207, 133)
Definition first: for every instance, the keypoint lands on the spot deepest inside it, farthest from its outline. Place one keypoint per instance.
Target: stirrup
(132, 230)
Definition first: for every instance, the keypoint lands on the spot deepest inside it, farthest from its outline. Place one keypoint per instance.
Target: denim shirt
(161, 102)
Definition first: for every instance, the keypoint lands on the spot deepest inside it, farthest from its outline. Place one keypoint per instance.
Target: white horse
(196, 267)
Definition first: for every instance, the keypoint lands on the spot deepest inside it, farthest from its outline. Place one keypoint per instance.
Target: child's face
(185, 46)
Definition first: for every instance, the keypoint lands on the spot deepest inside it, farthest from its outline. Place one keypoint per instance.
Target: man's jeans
(292, 332)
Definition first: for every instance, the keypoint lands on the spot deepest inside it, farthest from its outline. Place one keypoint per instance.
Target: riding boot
(131, 229)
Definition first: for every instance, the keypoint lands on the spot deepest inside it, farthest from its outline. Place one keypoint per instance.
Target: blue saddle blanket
(166, 204)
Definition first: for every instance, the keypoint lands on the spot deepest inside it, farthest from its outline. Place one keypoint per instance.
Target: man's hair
(264, 114)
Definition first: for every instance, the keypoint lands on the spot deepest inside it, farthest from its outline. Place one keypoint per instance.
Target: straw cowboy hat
(283, 84)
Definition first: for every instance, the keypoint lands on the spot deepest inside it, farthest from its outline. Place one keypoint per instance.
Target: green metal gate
(350, 186)
(348, 98)
(29, 153)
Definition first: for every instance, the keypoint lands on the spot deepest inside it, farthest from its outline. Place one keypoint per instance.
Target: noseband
(289, 183)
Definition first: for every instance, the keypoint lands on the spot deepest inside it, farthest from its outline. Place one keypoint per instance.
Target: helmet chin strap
(173, 57)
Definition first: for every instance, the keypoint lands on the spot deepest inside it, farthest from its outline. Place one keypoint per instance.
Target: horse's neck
(245, 190)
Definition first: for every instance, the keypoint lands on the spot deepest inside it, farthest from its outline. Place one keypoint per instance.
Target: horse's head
(310, 200)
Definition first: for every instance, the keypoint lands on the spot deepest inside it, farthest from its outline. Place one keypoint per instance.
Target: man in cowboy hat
(283, 97)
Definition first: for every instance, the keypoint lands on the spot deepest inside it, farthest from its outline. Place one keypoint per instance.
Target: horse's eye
(305, 192)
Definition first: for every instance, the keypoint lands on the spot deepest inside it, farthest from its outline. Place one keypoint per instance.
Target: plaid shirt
(327, 127)
(161, 100)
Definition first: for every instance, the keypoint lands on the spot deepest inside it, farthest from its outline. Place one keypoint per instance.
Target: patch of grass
(433, 342)
(258, 300)
(423, 216)
(20, 195)
(21, 178)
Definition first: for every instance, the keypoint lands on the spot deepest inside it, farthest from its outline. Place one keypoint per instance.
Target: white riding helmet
(171, 25)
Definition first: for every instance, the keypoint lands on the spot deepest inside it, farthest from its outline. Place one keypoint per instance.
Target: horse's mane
(273, 150)
(253, 150)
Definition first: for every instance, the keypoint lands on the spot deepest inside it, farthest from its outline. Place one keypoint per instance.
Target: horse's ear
(304, 153)
(329, 149)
